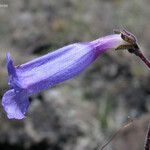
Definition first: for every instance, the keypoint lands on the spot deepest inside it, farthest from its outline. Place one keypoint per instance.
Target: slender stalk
(115, 134)
(144, 59)
(147, 139)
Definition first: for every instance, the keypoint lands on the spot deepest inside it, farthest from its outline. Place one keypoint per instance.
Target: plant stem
(144, 59)
(147, 139)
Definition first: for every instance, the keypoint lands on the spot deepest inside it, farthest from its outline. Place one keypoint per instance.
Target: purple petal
(10, 66)
(15, 104)
(13, 80)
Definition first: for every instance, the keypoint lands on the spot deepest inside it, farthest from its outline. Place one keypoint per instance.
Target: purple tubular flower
(51, 69)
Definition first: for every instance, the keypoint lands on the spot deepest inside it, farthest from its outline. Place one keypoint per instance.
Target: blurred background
(80, 113)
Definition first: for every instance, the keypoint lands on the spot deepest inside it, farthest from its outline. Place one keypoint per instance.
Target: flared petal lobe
(13, 80)
(15, 104)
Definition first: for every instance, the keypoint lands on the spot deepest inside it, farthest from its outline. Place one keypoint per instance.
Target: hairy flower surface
(51, 69)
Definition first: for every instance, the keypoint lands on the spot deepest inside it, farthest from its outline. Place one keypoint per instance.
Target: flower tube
(52, 69)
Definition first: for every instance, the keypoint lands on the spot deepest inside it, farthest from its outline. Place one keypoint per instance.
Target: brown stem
(115, 134)
(144, 59)
(147, 139)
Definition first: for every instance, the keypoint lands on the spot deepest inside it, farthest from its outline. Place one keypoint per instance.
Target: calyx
(132, 45)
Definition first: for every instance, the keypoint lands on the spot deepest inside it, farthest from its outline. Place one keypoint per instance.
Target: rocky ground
(78, 114)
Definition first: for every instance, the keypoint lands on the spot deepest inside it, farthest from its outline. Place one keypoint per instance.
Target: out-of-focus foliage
(77, 114)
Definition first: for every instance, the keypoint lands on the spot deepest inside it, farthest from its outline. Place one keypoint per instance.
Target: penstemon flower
(54, 68)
